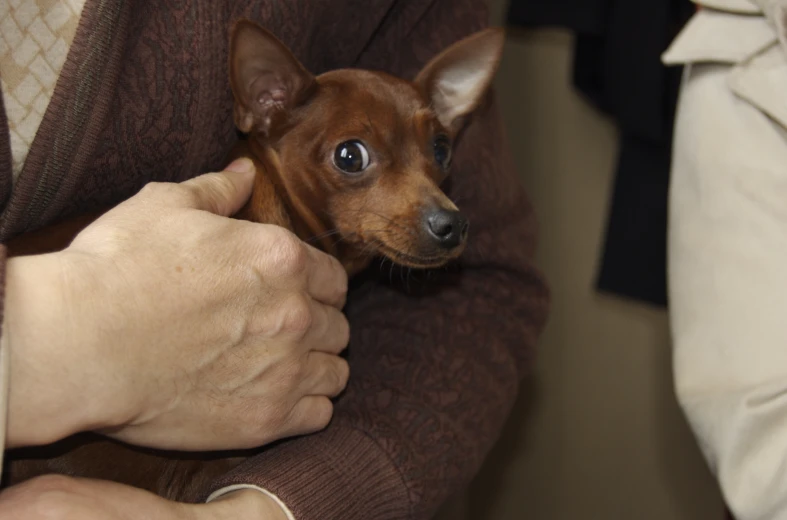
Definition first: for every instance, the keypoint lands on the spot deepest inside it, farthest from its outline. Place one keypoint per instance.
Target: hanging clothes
(618, 69)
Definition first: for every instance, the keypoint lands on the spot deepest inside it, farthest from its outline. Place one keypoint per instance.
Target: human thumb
(224, 193)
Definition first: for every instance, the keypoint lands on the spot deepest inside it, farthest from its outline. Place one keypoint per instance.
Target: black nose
(449, 228)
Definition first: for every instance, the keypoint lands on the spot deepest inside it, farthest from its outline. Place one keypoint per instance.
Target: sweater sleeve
(435, 367)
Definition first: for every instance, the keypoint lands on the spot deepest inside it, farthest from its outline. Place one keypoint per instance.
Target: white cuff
(229, 489)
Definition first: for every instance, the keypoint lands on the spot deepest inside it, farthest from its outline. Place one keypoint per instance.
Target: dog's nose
(449, 228)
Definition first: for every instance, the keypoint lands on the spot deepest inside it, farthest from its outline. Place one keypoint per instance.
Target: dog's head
(365, 152)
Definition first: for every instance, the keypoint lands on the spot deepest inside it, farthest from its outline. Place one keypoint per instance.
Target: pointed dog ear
(456, 80)
(267, 79)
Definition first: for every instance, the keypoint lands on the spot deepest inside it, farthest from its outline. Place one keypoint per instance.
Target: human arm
(434, 376)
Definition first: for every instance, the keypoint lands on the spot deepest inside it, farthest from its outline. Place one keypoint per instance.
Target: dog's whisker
(390, 273)
(368, 250)
(323, 235)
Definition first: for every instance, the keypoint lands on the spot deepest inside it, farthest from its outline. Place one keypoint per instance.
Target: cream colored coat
(728, 247)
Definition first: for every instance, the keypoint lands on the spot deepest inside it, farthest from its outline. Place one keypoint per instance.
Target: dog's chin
(416, 261)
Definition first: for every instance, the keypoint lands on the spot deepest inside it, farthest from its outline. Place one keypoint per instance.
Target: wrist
(48, 396)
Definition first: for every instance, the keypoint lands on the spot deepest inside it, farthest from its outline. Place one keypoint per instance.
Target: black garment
(618, 67)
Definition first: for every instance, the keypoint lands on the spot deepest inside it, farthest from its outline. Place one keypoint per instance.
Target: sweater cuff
(339, 473)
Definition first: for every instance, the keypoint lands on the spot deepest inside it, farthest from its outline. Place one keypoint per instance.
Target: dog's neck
(276, 200)
(283, 195)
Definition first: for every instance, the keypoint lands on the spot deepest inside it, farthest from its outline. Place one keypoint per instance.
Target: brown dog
(350, 161)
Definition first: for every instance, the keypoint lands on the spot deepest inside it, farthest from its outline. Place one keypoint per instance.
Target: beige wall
(597, 433)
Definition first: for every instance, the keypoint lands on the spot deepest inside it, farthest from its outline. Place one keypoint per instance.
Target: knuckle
(341, 375)
(217, 182)
(47, 497)
(343, 337)
(212, 189)
(322, 414)
(331, 269)
(165, 191)
(151, 189)
(298, 316)
(55, 483)
(289, 257)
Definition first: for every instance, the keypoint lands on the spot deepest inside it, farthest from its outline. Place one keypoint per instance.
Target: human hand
(55, 497)
(165, 324)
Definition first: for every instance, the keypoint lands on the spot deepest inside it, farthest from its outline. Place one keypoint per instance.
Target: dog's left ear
(267, 79)
(456, 80)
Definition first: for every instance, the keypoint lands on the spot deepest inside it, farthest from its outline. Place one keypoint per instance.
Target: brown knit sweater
(144, 96)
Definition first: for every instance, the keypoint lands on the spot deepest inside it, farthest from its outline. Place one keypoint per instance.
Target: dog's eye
(442, 151)
(351, 157)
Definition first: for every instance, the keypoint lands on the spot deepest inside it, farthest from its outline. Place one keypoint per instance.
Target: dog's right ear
(267, 79)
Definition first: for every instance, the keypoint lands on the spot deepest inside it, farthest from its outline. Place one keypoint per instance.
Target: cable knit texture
(436, 358)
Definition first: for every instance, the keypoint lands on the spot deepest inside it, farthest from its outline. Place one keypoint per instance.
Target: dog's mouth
(410, 260)
(399, 241)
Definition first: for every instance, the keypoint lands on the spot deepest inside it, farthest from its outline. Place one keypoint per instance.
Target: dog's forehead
(362, 90)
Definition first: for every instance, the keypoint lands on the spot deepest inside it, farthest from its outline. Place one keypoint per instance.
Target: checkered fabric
(35, 36)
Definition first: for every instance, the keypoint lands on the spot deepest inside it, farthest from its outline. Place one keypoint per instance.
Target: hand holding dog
(165, 324)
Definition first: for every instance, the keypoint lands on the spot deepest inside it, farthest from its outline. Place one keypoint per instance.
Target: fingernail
(242, 165)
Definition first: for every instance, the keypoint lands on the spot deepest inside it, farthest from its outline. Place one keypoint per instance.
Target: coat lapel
(73, 121)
